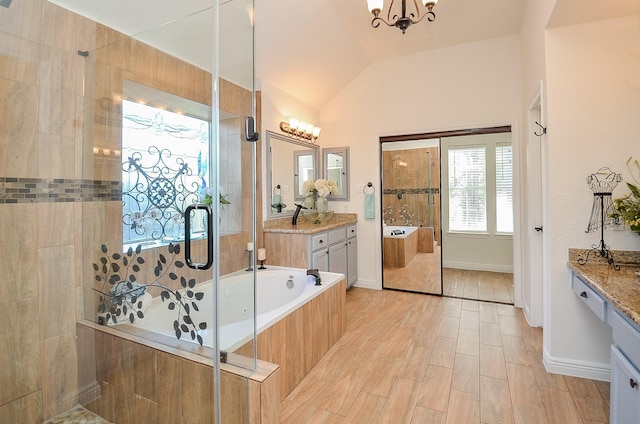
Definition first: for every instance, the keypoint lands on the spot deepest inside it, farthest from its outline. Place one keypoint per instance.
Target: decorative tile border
(433, 190)
(45, 190)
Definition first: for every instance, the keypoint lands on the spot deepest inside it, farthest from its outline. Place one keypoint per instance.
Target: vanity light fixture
(401, 21)
(300, 129)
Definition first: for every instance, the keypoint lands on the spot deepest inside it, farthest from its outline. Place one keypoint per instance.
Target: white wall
(278, 106)
(465, 86)
(593, 91)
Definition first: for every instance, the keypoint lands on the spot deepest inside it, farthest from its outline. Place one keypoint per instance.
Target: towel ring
(369, 185)
(277, 190)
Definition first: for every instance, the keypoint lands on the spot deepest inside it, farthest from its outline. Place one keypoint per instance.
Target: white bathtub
(274, 299)
(406, 231)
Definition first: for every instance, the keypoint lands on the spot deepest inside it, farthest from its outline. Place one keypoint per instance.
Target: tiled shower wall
(55, 196)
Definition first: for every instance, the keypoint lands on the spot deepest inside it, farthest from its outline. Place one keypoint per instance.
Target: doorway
(468, 207)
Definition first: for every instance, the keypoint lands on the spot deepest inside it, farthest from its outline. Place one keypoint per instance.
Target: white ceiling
(313, 48)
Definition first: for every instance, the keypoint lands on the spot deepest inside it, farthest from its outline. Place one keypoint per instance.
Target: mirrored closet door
(447, 213)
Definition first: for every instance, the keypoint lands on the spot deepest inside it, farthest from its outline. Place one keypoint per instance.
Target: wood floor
(411, 358)
(480, 285)
(422, 275)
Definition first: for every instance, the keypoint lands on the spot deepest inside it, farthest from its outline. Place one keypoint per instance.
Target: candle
(250, 247)
(262, 254)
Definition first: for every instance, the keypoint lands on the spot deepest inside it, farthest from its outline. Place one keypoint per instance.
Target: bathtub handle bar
(187, 236)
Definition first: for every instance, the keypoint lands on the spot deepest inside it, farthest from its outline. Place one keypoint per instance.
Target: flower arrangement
(628, 207)
(320, 186)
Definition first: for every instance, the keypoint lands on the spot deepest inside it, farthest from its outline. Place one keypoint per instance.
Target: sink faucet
(294, 220)
(316, 274)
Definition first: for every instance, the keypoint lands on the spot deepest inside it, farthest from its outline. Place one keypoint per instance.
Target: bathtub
(274, 301)
(388, 231)
(399, 249)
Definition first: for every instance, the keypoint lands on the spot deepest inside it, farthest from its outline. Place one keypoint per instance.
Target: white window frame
(491, 206)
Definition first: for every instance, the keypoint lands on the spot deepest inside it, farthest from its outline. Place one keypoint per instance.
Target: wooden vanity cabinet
(334, 250)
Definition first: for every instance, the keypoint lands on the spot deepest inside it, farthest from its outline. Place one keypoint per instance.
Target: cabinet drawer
(319, 241)
(338, 235)
(592, 299)
(626, 336)
(352, 231)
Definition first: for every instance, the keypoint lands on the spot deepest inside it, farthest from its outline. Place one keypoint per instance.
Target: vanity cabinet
(625, 354)
(334, 249)
(352, 255)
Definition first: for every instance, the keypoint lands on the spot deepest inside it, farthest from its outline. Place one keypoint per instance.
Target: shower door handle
(187, 236)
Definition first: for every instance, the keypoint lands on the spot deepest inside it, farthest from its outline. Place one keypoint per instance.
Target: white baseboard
(372, 285)
(581, 369)
(478, 267)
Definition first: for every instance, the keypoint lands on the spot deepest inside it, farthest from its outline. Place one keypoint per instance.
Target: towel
(369, 206)
(275, 200)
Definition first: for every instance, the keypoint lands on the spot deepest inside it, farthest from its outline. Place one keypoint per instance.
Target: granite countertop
(621, 288)
(283, 225)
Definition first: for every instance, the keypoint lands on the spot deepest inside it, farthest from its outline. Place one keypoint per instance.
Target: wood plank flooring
(480, 285)
(411, 358)
(423, 275)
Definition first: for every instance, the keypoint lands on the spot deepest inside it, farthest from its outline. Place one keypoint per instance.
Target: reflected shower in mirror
(411, 216)
(290, 162)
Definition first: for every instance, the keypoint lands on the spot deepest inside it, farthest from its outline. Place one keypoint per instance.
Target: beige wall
(593, 85)
(55, 107)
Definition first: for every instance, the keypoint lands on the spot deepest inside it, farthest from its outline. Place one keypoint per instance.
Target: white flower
(308, 187)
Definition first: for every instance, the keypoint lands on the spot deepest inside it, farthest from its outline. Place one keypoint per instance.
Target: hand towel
(369, 206)
(275, 200)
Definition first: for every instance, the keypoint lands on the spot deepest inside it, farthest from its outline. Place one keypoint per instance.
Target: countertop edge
(306, 227)
(626, 306)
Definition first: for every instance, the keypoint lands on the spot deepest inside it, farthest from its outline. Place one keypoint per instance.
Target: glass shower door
(171, 181)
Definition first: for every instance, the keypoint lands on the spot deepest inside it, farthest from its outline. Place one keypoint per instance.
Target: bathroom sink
(317, 217)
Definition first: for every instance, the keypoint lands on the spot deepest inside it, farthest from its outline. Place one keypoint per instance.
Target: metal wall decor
(603, 215)
(156, 194)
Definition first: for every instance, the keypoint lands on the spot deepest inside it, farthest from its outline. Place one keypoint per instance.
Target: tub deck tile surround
(621, 288)
(133, 380)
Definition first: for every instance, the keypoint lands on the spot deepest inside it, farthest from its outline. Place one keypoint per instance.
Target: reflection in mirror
(290, 162)
(305, 169)
(477, 210)
(336, 168)
(411, 216)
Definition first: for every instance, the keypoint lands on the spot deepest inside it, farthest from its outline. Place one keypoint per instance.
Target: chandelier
(404, 21)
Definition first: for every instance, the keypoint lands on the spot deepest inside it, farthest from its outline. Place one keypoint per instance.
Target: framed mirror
(290, 162)
(336, 167)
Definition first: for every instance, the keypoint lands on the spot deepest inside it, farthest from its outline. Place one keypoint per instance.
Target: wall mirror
(411, 233)
(336, 167)
(458, 186)
(290, 162)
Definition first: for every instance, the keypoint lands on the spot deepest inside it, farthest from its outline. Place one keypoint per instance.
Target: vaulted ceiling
(313, 48)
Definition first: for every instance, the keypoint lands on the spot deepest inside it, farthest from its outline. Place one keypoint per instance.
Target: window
(467, 189)
(164, 170)
(504, 188)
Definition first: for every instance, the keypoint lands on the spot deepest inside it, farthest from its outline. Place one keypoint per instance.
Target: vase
(322, 204)
(310, 201)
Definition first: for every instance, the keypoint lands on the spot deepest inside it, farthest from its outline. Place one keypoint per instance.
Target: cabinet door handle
(583, 294)
(633, 383)
(321, 241)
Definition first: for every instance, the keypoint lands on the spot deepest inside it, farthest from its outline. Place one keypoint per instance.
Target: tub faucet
(316, 274)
